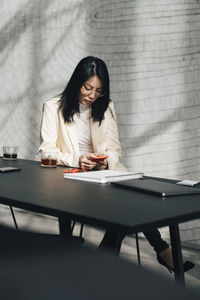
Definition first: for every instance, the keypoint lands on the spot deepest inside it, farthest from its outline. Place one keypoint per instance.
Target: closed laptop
(156, 187)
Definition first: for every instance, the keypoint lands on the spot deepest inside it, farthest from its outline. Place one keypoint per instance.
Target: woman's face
(90, 91)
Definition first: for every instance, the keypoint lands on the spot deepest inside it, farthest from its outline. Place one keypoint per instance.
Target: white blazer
(56, 135)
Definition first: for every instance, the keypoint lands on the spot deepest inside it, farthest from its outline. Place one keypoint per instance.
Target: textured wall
(152, 49)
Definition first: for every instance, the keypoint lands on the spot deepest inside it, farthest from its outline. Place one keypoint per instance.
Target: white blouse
(82, 122)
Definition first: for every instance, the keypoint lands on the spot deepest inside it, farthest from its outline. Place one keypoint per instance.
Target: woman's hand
(101, 165)
(86, 164)
(85, 161)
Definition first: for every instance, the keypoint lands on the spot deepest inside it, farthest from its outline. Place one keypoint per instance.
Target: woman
(79, 124)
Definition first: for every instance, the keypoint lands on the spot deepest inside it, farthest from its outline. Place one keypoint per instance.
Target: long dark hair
(86, 68)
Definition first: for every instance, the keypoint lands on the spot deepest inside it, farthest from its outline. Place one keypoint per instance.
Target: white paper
(187, 182)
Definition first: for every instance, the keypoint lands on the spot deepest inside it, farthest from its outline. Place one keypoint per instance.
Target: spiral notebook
(103, 176)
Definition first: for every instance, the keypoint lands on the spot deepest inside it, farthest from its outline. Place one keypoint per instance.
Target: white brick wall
(152, 49)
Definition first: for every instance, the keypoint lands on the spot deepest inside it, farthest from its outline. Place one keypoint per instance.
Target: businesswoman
(81, 123)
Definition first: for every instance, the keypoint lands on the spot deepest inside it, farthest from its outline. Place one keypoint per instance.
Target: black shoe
(188, 265)
(162, 262)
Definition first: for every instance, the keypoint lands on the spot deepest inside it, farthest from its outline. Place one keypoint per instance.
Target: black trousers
(153, 236)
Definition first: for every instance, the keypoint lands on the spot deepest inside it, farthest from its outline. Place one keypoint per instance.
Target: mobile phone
(9, 169)
(99, 158)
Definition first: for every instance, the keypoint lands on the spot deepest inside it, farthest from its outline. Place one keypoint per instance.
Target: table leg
(177, 254)
(138, 249)
(118, 243)
(64, 226)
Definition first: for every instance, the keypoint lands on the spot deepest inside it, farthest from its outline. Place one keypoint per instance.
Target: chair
(81, 233)
(136, 240)
(14, 219)
(38, 266)
(81, 228)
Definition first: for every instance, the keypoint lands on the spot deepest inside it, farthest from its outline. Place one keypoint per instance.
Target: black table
(45, 191)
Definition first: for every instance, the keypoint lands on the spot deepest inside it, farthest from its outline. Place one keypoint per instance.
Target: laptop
(156, 187)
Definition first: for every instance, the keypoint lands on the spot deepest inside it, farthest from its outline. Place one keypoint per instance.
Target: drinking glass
(49, 159)
(10, 152)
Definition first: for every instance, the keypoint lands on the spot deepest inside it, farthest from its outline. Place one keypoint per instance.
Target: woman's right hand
(85, 161)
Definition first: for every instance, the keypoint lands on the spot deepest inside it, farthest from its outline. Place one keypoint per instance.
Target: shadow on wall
(27, 35)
